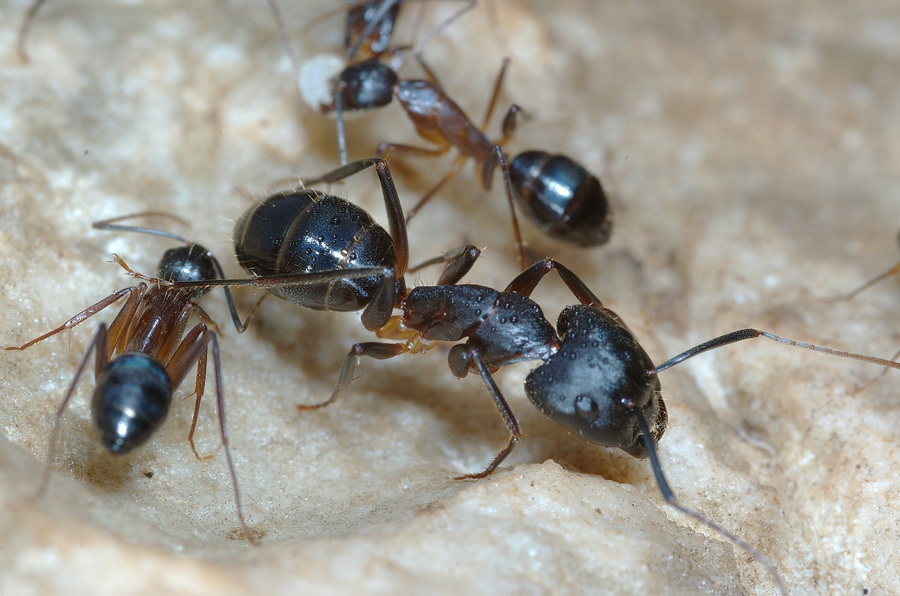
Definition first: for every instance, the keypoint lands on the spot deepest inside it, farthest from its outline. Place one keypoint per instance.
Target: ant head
(594, 381)
(367, 85)
(188, 263)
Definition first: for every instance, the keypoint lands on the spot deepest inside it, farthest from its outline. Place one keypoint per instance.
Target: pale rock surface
(752, 151)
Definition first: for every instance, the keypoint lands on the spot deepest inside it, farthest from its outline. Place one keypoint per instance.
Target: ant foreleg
(464, 357)
(376, 350)
(135, 298)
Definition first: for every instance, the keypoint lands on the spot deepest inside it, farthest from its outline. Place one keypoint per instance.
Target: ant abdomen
(304, 231)
(589, 397)
(561, 197)
(131, 400)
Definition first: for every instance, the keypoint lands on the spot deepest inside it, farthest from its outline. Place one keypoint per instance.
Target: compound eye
(586, 407)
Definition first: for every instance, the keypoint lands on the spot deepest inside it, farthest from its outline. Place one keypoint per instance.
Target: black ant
(555, 192)
(145, 354)
(366, 83)
(596, 380)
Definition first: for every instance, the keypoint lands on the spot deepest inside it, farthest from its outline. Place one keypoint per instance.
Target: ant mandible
(145, 354)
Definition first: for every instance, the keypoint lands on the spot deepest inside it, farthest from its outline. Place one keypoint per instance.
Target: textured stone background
(752, 152)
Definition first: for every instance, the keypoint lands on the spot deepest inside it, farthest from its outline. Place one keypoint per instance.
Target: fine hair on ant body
(147, 351)
(595, 378)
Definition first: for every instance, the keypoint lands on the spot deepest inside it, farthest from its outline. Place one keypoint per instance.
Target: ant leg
(510, 120)
(223, 431)
(136, 293)
(892, 271)
(880, 376)
(470, 4)
(285, 38)
(452, 171)
(229, 299)
(494, 24)
(180, 362)
(670, 498)
(193, 348)
(377, 350)
(497, 157)
(462, 358)
(135, 274)
(199, 388)
(385, 148)
(457, 263)
(25, 27)
(252, 313)
(339, 121)
(98, 345)
(375, 315)
(510, 123)
(167, 348)
(495, 94)
(526, 281)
